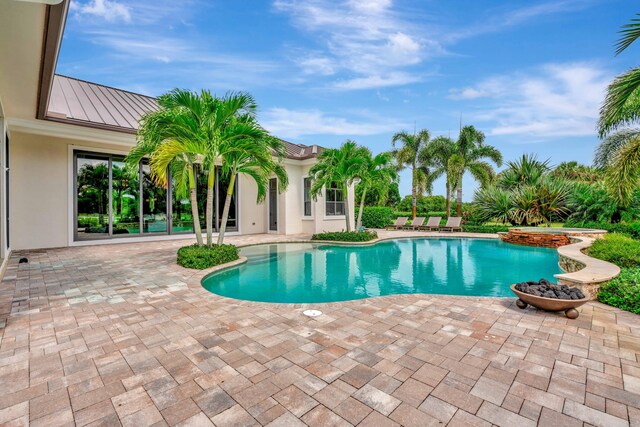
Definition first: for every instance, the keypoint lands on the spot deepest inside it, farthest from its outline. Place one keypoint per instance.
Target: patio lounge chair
(416, 223)
(453, 224)
(433, 224)
(400, 222)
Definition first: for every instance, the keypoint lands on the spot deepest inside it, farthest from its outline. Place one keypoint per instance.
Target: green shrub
(347, 236)
(484, 228)
(376, 216)
(618, 249)
(423, 203)
(201, 257)
(632, 229)
(443, 214)
(623, 291)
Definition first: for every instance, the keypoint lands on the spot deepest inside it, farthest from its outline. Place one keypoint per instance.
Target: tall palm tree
(253, 156)
(437, 154)
(408, 156)
(338, 166)
(377, 170)
(622, 108)
(469, 156)
(162, 126)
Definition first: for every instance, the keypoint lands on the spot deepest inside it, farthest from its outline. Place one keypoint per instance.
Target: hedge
(484, 228)
(201, 257)
(632, 229)
(376, 216)
(347, 236)
(623, 291)
(618, 249)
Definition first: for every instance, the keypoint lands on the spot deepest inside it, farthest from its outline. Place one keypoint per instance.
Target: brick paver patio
(116, 334)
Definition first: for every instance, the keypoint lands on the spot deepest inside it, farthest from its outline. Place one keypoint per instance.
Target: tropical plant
(375, 171)
(253, 156)
(198, 128)
(157, 128)
(524, 193)
(469, 156)
(622, 108)
(408, 155)
(575, 172)
(338, 167)
(437, 155)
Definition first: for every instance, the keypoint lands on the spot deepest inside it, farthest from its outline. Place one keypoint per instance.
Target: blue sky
(531, 75)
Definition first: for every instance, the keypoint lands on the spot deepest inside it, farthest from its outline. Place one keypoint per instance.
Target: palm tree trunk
(194, 206)
(459, 197)
(359, 223)
(345, 192)
(448, 201)
(414, 195)
(225, 211)
(209, 214)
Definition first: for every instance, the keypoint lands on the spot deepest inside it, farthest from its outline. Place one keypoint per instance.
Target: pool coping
(594, 272)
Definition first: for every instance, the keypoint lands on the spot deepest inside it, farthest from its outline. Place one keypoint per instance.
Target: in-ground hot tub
(546, 236)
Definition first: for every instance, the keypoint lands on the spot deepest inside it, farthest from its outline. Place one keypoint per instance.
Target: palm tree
(163, 126)
(469, 156)
(338, 166)
(622, 108)
(253, 155)
(437, 154)
(408, 156)
(377, 171)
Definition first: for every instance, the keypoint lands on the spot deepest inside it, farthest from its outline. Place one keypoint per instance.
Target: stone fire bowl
(549, 304)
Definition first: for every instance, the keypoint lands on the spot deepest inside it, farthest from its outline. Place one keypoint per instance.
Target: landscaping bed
(347, 236)
(201, 257)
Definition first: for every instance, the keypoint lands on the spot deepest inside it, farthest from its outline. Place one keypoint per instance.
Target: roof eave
(55, 19)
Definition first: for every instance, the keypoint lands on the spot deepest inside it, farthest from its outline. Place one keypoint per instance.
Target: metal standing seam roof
(89, 104)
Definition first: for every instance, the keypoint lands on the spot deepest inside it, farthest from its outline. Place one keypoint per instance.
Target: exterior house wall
(41, 208)
(41, 192)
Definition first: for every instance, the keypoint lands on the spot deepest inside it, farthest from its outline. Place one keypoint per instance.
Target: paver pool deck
(119, 334)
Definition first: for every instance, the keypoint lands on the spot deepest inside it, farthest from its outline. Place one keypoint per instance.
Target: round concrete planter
(549, 304)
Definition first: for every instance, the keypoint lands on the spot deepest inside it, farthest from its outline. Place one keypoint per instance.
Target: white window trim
(312, 216)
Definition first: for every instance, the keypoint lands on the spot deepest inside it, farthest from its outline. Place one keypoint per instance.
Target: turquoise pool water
(308, 273)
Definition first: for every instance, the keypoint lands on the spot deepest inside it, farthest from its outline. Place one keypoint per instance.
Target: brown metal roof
(89, 104)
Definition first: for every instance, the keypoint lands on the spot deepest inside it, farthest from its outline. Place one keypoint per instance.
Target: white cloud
(376, 81)
(317, 65)
(366, 40)
(108, 10)
(288, 123)
(553, 101)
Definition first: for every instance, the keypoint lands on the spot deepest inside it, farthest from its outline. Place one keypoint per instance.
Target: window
(113, 200)
(307, 196)
(334, 201)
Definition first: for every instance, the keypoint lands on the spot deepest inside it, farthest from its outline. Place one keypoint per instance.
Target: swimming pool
(314, 272)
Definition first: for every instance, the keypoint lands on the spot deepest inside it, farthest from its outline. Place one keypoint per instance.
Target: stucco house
(62, 145)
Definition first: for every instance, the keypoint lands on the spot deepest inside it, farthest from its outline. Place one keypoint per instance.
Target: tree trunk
(225, 211)
(459, 197)
(208, 221)
(414, 196)
(346, 206)
(194, 206)
(448, 186)
(359, 223)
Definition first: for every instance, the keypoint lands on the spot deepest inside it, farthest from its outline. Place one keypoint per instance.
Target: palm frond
(621, 106)
(630, 33)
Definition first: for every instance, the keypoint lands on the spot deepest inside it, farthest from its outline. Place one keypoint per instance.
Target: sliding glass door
(113, 200)
(92, 196)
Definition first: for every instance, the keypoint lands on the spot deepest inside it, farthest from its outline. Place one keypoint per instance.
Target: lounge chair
(433, 224)
(399, 224)
(416, 223)
(453, 224)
